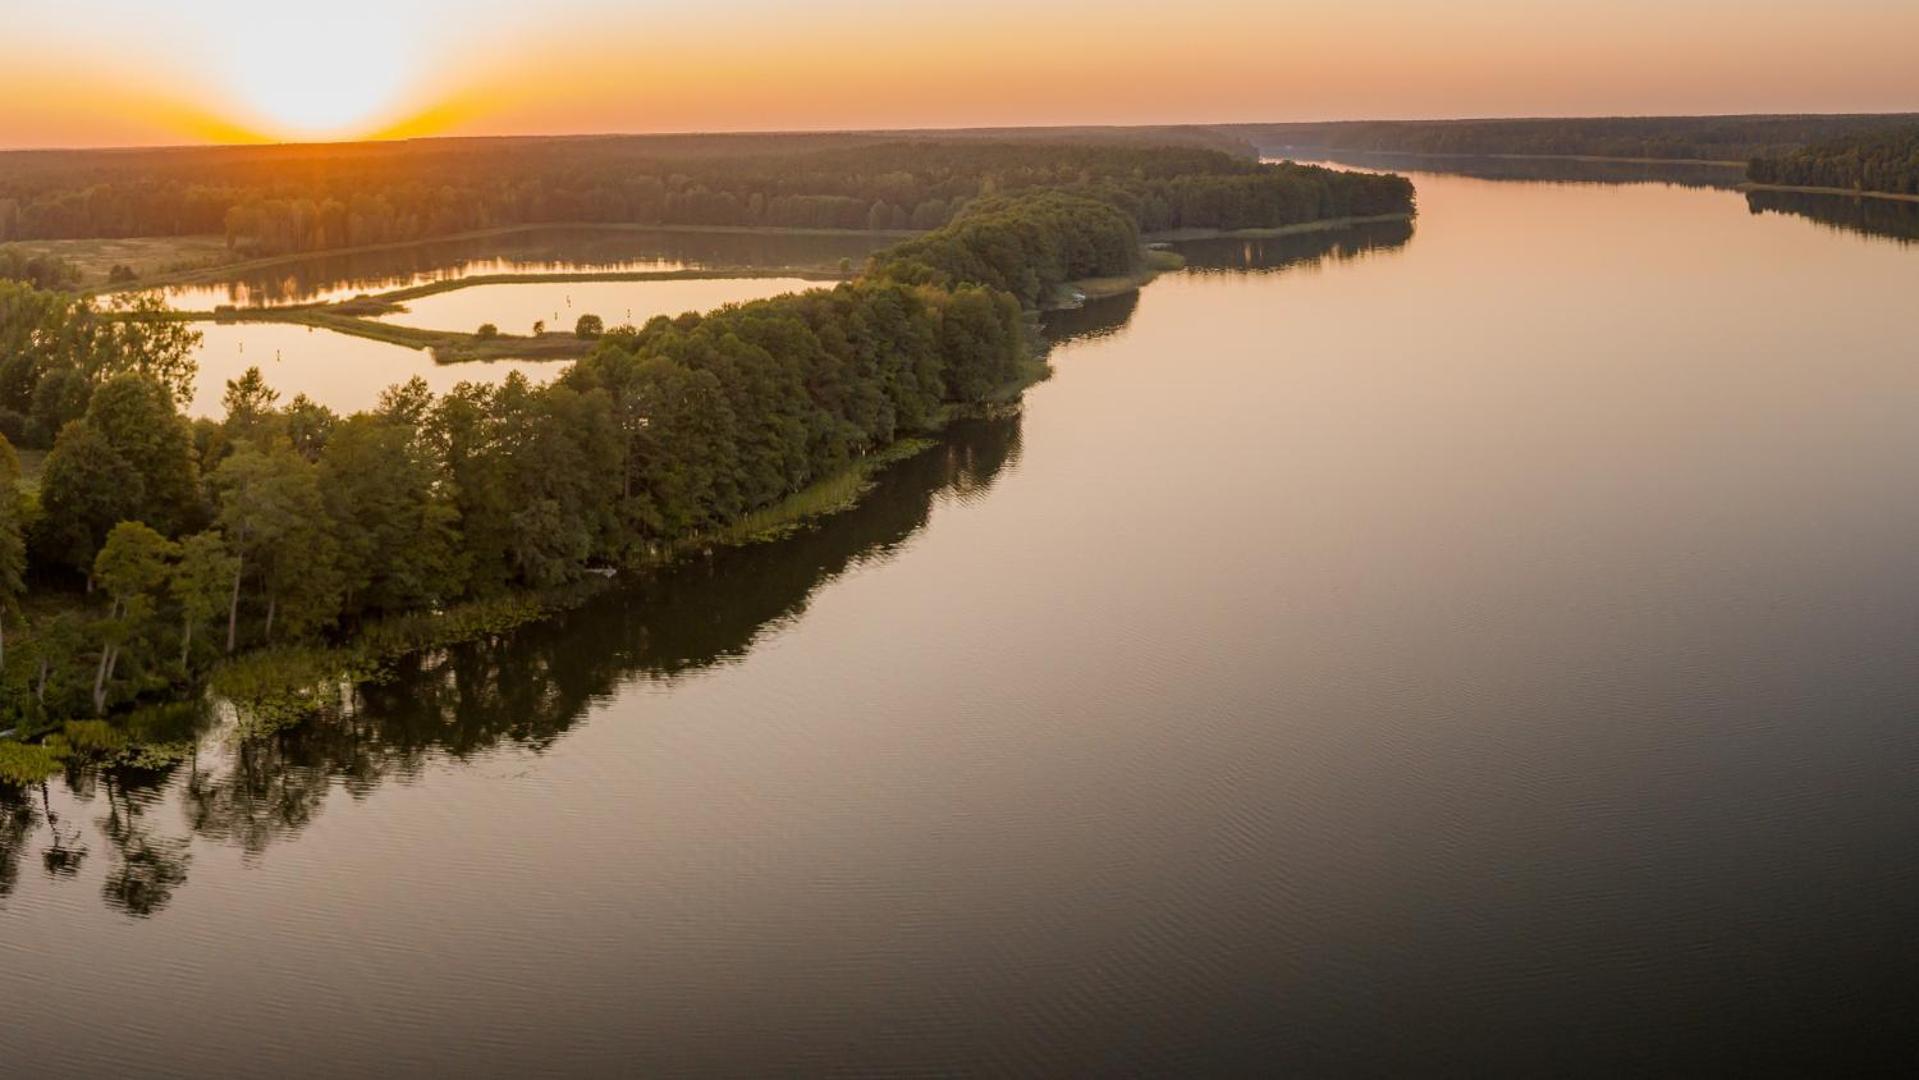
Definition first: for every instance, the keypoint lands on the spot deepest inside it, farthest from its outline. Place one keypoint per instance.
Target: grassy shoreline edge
(1850, 193)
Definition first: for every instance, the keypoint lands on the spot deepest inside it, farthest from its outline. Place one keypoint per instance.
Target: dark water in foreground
(1490, 648)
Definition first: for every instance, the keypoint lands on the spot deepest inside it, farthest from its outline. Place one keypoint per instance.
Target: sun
(339, 81)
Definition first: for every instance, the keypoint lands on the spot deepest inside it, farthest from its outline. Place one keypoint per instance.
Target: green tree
(199, 584)
(397, 534)
(589, 327)
(136, 416)
(59, 398)
(54, 647)
(13, 560)
(249, 403)
(308, 424)
(131, 567)
(272, 513)
(86, 489)
(146, 340)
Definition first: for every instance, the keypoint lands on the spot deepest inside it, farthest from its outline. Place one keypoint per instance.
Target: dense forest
(270, 201)
(1699, 138)
(1884, 161)
(192, 540)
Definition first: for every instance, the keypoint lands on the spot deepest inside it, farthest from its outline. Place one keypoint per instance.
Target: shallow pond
(515, 307)
(342, 372)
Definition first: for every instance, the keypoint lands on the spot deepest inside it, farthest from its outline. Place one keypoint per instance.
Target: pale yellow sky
(120, 72)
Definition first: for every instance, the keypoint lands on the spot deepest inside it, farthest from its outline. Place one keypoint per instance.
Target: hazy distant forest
(278, 200)
(1735, 139)
(1884, 161)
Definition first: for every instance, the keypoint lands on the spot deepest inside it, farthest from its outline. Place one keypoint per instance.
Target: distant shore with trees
(1883, 163)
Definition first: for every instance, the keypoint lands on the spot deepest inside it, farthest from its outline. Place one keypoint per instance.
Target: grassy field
(147, 256)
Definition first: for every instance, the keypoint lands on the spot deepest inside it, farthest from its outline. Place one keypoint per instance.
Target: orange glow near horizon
(360, 69)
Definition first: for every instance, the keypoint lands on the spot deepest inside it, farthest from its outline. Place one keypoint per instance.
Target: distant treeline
(279, 200)
(1703, 138)
(1885, 161)
(195, 539)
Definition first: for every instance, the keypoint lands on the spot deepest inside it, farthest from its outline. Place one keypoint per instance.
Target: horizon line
(1195, 125)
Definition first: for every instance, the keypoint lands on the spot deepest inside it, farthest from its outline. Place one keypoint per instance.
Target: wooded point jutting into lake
(725, 540)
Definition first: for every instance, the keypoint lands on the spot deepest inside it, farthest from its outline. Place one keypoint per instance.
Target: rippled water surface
(1490, 647)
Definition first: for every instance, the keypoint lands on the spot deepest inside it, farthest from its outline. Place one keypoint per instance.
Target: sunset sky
(131, 72)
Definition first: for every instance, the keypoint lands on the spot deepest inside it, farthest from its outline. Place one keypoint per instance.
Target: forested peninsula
(1726, 139)
(1884, 162)
(151, 556)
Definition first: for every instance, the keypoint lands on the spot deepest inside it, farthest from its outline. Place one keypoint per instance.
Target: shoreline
(359, 316)
(1157, 260)
(1851, 193)
(283, 685)
(1593, 158)
(213, 275)
(1174, 236)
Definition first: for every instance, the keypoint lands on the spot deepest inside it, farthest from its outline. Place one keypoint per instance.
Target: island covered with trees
(148, 553)
(1884, 162)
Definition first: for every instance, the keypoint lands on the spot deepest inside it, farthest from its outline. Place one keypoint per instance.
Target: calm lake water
(342, 372)
(515, 307)
(1489, 647)
(347, 373)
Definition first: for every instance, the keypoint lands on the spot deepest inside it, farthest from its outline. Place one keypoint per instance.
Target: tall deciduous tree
(272, 513)
(135, 414)
(86, 489)
(131, 567)
(13, 557)
(199, 584)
